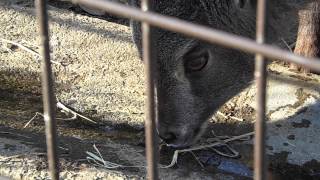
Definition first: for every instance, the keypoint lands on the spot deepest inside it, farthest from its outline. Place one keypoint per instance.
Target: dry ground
(98, 74)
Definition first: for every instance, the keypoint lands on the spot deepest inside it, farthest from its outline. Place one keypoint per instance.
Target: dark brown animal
(195, 78)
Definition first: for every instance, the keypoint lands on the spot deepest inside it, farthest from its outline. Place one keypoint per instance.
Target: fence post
(260, 75)
(49, 101)
(149, 57)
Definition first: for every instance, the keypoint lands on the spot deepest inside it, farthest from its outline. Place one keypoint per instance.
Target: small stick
(65, 108)
(176, 153)
(223, 115)
(227, 117)
(26, 49)
(27, 124)
(98, 160)
(22, 47)
(197, 159)
(236, 118)
(234, 138)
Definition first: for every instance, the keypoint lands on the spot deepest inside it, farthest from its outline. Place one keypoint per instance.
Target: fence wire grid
(149, 20)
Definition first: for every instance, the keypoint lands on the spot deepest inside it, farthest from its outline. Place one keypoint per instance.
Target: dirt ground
(98, 74)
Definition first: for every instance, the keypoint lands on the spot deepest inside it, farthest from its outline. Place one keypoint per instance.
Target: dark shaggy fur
(186, 98)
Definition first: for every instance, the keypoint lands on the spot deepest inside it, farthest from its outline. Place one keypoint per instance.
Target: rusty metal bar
(149, 54)
(260, 76)
(201, 32)
(49, 104)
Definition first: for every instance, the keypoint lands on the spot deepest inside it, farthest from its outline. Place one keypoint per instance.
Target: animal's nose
(177, 138)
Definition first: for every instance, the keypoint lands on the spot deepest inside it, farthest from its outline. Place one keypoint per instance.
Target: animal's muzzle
(179, 138)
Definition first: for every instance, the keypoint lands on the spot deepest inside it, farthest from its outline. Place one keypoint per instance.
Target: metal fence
(150, 19)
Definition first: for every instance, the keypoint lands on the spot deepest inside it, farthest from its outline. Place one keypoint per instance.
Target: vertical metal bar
(260, 75)
(49, 104)
(148, 40)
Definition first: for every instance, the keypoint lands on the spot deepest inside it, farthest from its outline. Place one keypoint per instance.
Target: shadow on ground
(28, 9)
(78, 136)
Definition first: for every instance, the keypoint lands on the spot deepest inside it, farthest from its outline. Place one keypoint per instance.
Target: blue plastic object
(236, 168)
(225, 164)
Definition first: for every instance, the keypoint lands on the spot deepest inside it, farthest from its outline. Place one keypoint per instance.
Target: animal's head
(195, 78)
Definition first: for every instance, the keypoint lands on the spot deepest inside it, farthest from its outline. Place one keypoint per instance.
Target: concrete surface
(293, 112)
(99, 74)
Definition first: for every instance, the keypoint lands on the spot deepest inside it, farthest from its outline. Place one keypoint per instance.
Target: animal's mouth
(175, 146)
(185, 145)
(183, 142)
(179, 144)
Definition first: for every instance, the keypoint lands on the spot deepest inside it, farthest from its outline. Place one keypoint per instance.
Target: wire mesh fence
(149, 20)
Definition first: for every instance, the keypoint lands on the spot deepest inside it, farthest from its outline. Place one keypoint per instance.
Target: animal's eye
(196, 63)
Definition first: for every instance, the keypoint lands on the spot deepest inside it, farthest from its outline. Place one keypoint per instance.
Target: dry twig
(21, 46)
(64, 108)
(98, 160)
(75, 114)
(26, 49)
(231, 117)
(176, 153)
(27, 124)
